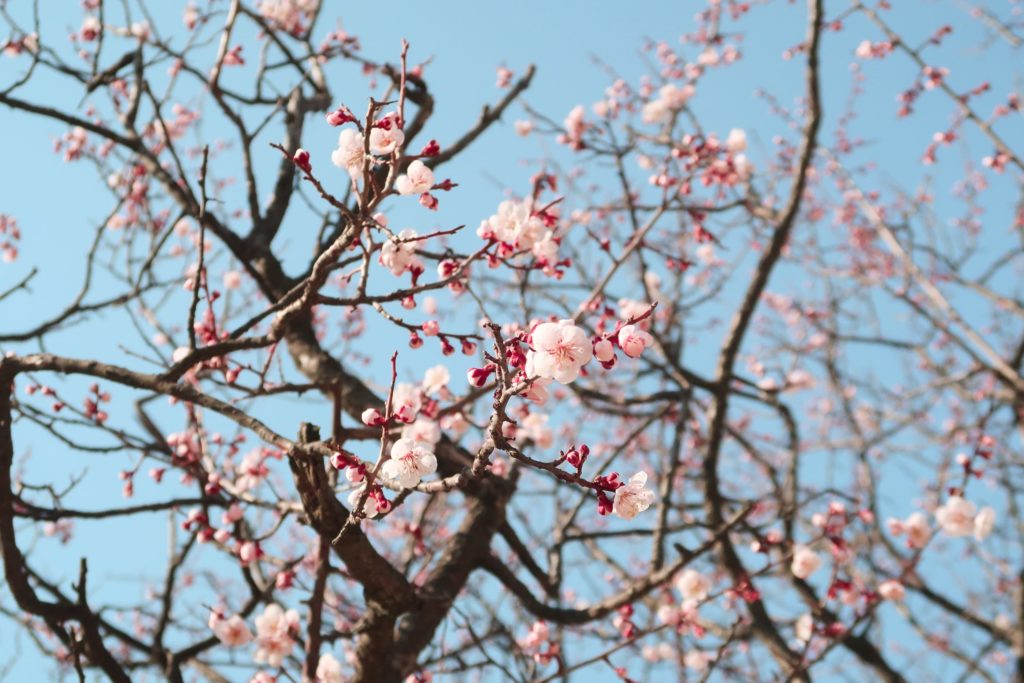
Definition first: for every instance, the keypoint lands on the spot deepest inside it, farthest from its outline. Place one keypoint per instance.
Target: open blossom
(275, 631)
(983, 523)
(633, 497)
(671, 98)
(538, 392)
(417, 179)
(514, 224)
(399, 256)
(410, 462)
(534, 427)
(737, 141)
(422, 430)
(370, 507)
(537, 636)
(384, 142)
(232, 632)
(349, 154)
(891, 590)
(693, 585)
(405, 402)
(435, 379)
(328, 669)
(634, 340)
(559, 351)
(805, 562)
(918, 531)
(956, 517)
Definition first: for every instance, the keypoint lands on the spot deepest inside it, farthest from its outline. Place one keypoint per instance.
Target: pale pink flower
(455, 424)
(534, 427)
(805, 562)
(538, 636)
(384, 142)
(232, 632)
(737, 141)
(370, 508)
(891, 590)
(248, 552)
(696, 660)
(423, 430)
(435, 379)
(917, 530)
(399, 256)
(524, 128)
(514, 224)
(232, 279)
(349, 154)
(538, 391)
(804, 627)
(410, 462)
(693, 585)
(983, 523)
(634, 340)
(559, 351)
(406, 402)
(417, 179)
(328, 669)
(671, 98)
(633, 497)
(275, 631)
(956, 517)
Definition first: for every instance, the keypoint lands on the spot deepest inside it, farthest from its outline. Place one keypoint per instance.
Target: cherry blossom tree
(693, 402)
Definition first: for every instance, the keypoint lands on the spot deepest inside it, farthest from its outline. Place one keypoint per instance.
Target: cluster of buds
(606, 484)
(92, 404)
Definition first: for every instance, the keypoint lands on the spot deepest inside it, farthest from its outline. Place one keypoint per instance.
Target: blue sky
(58, 205)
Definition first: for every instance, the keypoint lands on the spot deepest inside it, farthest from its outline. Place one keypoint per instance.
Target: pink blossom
(956, 517)
(891, 590)
(232, 632)
(692, 585)
(633, 497)
(275, 631)
(435, 379)
(406, 402)
(328, 669)
(805, 562)
(604, 351)
(424, 431)
(634, 340)
(671, 98)
(737, 141)
(984, 523)
(232, 279)
(350, 153)
(559, 351)
(410, 462)
(370, 507)
(417, 179)
(514, 224)
(384, 142)
(371, 417)
(917, 530)
(400, 256)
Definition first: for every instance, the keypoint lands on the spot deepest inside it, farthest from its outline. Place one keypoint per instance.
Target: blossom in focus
(417, 179)
(410, 462)
(633, 497)
(350, 153)
(399, 256)
(384, 142)
(559, 351)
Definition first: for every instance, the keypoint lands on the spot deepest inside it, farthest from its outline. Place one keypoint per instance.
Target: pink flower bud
(301, 159)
